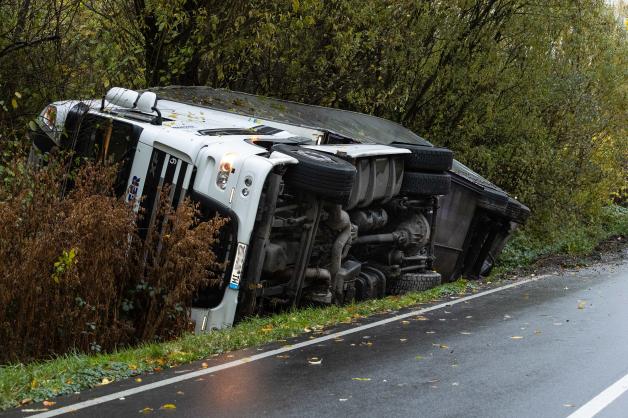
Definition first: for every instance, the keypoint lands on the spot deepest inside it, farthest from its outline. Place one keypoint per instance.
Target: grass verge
(575, 241)
(25, 383)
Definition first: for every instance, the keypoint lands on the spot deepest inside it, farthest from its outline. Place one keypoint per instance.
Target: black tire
(426, 184)
(424, 158)
(322, 174)
(410, 282)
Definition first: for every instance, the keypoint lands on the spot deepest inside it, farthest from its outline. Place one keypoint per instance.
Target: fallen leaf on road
(569, 405)
(516, 337)
(507, 316)
(49, 403)
(338, 340)
(403, 340)
(146, 410)
(168, 406)
(361, 379)
(421, 318)
(405, 322)
(283, 356)
(315, 360)
(455, 384)
(105, 381)
(343, 399)
(465, 332)
(537, 332)
(582, 304)
(433, 381)
(440, 345)
(180, 392)
(138, 379)
(430, 332)
(418, 358)
(469, 316)
(204, 365)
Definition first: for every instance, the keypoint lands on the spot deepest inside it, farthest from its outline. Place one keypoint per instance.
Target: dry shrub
(75, 276)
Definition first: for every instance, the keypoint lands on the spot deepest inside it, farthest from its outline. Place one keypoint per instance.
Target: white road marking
(601, 401)
(176, 379)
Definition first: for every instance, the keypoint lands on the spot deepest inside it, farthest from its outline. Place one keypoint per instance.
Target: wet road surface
(542, 349)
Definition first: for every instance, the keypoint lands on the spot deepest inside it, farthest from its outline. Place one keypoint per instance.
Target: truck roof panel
(359, 127)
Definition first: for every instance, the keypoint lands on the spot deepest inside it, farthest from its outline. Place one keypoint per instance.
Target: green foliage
(63, 264)
(530, 94)
(576, 240)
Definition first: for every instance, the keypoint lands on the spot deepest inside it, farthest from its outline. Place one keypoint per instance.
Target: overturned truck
(325, 205)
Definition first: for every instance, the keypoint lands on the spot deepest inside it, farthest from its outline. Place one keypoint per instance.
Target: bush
(75, 276)
(575, 240)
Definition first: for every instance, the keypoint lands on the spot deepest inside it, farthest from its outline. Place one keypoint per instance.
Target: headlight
(238, 263)
(49, 116)
(225, 168)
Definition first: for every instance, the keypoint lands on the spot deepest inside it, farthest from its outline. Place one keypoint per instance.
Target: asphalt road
(542, 349)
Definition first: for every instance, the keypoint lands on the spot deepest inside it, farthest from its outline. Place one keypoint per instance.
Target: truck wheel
(426, 183)
(323, 174)
(410, 282)
(424, 158)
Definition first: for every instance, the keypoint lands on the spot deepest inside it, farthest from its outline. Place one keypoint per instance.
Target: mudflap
(222, 316)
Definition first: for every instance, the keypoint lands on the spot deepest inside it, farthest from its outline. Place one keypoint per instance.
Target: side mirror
(147, 103)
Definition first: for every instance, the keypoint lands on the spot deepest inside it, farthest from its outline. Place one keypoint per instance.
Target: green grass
(576, 240)
(23, 383)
